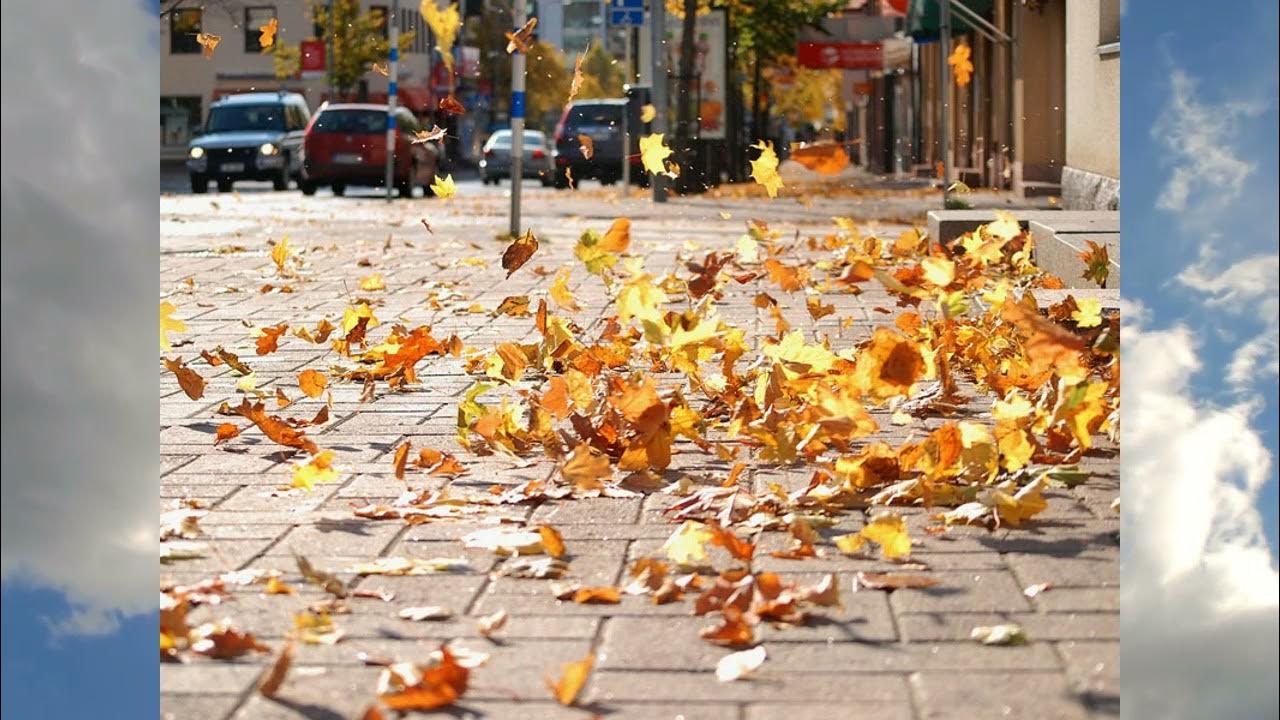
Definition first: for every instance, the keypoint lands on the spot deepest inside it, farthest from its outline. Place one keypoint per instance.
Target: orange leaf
(519, 252)
(402, 456)
(312, 382)
(733, 630)
(827, 158)
(274, 677)
(270, 339)
(552, 542)
(790, 279)
(226, 431)
(436, 687)
(617, 238)
(189, 380)
(275, 428)
(572, 677)
(451, 105)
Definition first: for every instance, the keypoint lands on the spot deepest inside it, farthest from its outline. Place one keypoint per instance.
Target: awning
(923, 18)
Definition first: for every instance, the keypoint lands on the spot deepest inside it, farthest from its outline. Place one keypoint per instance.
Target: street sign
(847, 55)
(626, 12)
(312, 61)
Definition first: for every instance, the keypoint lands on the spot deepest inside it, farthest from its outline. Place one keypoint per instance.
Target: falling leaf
(648, 113)
(961, 64)
(225, 432)
(267, 34)
(887, 531)
(426, 612)
(576, 83)
(318, 470)
(652, 153)
(168, 324)
(382, 69)
(1097, 263)
(519, 40)
(208, 43)
(1005, 634)
(573, 676)
(221, 641)
(740, 664)
(399, 566)
(490, 624)
(586, 467)
(269, 340)
(587, 146)
(327, 581)
(552, 542)
(502, 541)
(1034, 590)
(373, 283)
(687, 545)
(401, 457)
(275, 428)
(435, 134)
(427, 225)
(281, 253)
(273, 678)
(276, 586)
(561, 295)
(764, 169)
(312, 383)
(1088, 312)
(892, 581)
(519, 252)
(450, 104)
(405, 686)
(444, 187)
(618, 237)
(540, 569)
(825, 158)
(817, 310)
(189, 380)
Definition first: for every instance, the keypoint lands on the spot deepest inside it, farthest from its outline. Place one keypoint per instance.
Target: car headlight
(196, 153)
(268, 149)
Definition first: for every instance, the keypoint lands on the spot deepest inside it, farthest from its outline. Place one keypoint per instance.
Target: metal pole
(657, 32)
(328, 56)
(392, 91)
(944, 79)
(626, 111)
(517, 120)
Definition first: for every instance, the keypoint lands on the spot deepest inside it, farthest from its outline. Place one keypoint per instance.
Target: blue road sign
(626, 17)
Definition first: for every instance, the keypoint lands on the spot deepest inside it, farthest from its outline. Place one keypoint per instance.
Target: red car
(346, 144)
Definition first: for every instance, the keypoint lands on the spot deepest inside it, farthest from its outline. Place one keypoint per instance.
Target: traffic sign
(626, 12)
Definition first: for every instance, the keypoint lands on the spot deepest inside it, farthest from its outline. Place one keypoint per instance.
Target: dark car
(253, 136)
(600, 120)
(496, 161)
(346, 144)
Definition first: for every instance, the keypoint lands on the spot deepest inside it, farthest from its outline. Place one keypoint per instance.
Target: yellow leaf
(373, 283)
(687, 545)
(1088, 313)
(444, 187)
(169, 324)
(648, 113)
(281, 253)
(319, 470)
(887, 531)
(444, 24)
(764, 169)
(560, 293)
(267, 33)
(939, 271)
(652, 152)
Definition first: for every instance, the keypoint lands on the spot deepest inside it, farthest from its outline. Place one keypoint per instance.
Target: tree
(602, 74)
(356, 45)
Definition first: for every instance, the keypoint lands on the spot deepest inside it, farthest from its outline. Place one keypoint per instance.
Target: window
(179, 119)
(231, 118)
(380, 11)
(184, 25)
(352, 122)
(1108, 22)
(254, 18)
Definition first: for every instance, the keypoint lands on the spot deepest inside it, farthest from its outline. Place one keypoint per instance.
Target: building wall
(1042, 51)
(1093, 91)
(189, 81)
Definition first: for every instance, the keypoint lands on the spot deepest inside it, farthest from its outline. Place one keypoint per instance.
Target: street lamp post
(657, 31)
(944, 75)
(392, 91)
(517, 120)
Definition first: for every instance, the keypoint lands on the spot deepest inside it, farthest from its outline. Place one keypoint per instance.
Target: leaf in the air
(519, 252)
(653, 151)
(208, 43)
(740, 664)
(764, 169)
(273, 678)
(444, 187)
(572, 677)
(169, 324)
(519, 40)
(318, 470)
(267, 33)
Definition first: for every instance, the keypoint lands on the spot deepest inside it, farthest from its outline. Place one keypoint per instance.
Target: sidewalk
(905, 654)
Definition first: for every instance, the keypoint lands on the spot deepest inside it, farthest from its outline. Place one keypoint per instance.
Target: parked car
(346, 145)
(252, 136)
(495, 161)
(600, 120)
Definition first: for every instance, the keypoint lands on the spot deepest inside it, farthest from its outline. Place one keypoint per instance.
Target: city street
(905, 653)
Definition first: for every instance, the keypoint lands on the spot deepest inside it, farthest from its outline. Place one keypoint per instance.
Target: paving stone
(927, 627)
(963, 592)
(968, 695)
(764, 686)
(197, 706)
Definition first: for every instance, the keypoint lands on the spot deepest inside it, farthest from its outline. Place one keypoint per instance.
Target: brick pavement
(900, 655)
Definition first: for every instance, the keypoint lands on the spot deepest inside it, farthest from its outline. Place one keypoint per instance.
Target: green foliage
(357, 43)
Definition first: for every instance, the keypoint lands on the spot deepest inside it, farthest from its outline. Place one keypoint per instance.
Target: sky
(1199, 414)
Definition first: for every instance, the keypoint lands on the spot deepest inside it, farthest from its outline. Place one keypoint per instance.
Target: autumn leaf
(221, 641)
(169, 324)
(267, 38)
(1088, 312)
(1097, 264)
(273, 678)
(226, 431)
(648, 113)
(383, 69)
(519, 252)
(444, 23)
(817, 310)
(887, 531)
(573, 676)
(312, 383)
(373, 283)
(560, 293)
(444, 187)
(576, 84)
(401, 457)
(269, 341)
(490, 624)
(825, 158)
(587, 145)
(189, 380)
(405, 686)
(1006, 634)
(280, 253)
(208, 43)
(435, 134)
(318, 470)
(552, 542)
(519, 40)
(586, 468)
(450, 104)
(764, 169)
(618, 237)
(892, 581)
(687, 545)
(653, 151)
(740, 664)
(961, 64)
(275, 428)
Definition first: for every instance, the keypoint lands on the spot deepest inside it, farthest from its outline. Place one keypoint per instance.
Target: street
(905, 654)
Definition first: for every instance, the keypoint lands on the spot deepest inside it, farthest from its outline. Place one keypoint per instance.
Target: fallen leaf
(1034, 590)
(225, 432)
(221, 641)
(273, 678)
(168, 324)
(400, 566)
(740, 664)
(573, 676)
(312, 383)
(405, 686)
(318, 470)
(552, 542)
(1006, 634)
(892, 581)
(189, 380)
(426, 612)
(490, 624)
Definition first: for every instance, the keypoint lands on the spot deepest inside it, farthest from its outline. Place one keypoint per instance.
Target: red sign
(847, 55)
(312, 56)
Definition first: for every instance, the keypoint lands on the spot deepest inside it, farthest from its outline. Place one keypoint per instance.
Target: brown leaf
(587, 146)
(552, 542)
(274, 677)
(270, 339)
(572, 677)
(519, 40)
(189, 380)
(733, 631)
(892, 581)
(450, 104)
(402, 456)
(223, 641)
(414, 688)
(226, 431)
(519, 252)
(490, 624)
(275, 428)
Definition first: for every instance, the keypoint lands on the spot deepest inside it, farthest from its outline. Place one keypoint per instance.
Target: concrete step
(1033, 188)
(1058, 245)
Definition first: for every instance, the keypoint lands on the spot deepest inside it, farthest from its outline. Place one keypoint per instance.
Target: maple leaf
(560, 293)
(444, 188)
(887, 531)
(169, 324)
(519, 252)
(435, 134)
(961, 64)
(1088, 312)
(892, 581)
(648, 113)
(653, 151)
(687, 545)
(318, 470)
(1097, 263)
(208, 43)
(573, 676)
(189, 380)
(267, 33)
(764, 169)
(268, 341)
(444, 23)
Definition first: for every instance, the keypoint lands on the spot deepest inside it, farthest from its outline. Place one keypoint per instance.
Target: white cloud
(1254, 360)
(80, 465)
(1199, 597)
(1198, 136)
(1249, 279)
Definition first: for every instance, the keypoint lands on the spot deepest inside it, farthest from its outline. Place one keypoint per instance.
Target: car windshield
(232, 118)
(595, 115)
(354, 122)
(503, 139)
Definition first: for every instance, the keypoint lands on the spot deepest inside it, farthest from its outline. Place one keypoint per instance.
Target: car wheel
(405, 187)
(562, 180)
(339, 189)
(225, 185)
(306, 186)
(199, 184)
(281, 181)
